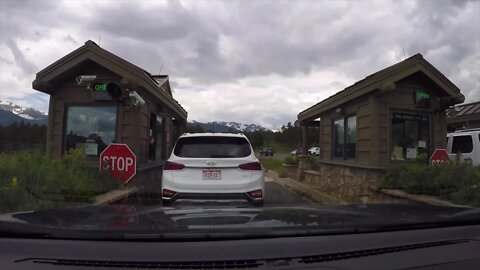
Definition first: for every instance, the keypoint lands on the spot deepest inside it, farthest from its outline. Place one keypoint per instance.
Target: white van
(465, 142)
(314, 151)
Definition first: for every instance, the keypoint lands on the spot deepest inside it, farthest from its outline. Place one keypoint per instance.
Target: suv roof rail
(466, 130)
(470, 129)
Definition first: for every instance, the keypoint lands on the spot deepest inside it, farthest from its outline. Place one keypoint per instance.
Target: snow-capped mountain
(227, 126)
(242, 126)
(10, 113)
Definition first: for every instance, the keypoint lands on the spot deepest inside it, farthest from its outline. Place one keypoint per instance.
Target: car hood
(109, 220)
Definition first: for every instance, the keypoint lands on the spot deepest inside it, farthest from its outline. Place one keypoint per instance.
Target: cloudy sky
(247, 61)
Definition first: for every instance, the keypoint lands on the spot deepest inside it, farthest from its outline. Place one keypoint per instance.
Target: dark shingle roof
(468, 109)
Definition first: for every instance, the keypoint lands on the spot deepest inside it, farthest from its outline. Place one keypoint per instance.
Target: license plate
(212, 174)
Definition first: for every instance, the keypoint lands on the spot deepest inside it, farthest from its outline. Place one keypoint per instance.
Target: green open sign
(422, 95)
(100, 86)
(419, 95)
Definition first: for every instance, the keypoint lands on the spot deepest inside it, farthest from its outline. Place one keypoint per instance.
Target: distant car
(296, 152)
(213, 166)
(266, 152)
(314, 151)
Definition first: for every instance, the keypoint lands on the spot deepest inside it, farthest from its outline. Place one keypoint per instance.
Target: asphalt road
(275, 195)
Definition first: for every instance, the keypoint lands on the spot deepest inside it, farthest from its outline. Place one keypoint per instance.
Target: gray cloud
(26, 65)
(448, 35)
(30, 19)
(148, 25)
(265, 44)
(70, 39)
(436, 13)
(279, 39)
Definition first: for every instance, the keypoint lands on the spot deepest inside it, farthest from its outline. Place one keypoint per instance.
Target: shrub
(271, 164)
(30, 180)
(274, 165)
(455, 181)
(313, 162)
(291, 160)
(282, 172)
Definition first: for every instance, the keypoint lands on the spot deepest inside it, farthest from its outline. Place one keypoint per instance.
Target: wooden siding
(168, 135)
(364, 133)
(326, 138)
(439, 131)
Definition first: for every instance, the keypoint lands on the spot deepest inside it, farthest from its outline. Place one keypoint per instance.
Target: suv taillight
(173, 166)
(255, 166)
(256, 193)
(168, 193)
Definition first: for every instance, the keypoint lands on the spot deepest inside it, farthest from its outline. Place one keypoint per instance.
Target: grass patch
(31, 180)
(458, 182)
(313, 162)
(270, 163)
(274, 165)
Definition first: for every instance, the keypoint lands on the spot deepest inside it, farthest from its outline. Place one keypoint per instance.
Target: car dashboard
(440, 248)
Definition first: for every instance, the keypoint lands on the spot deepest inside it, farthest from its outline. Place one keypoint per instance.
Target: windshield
(204, 119)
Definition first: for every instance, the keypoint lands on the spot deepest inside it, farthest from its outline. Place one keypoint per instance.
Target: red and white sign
(439, 156)
(120, 160)
(125, 216)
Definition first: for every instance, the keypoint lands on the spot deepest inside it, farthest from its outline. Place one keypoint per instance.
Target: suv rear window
(462, 144)
(212, 147)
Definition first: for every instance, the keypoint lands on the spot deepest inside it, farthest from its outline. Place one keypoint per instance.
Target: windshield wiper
(429, 224)
(466, 215)
(22, 230)
(18, 230)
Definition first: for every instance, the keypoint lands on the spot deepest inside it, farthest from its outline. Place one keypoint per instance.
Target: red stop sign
(120, 160)
(439, 156)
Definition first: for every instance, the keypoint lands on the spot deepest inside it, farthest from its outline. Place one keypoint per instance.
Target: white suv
(213, 166)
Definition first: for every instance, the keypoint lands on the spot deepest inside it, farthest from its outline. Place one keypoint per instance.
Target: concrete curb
(425, 199)
(304, 190)
(114, 195)
(317, 196)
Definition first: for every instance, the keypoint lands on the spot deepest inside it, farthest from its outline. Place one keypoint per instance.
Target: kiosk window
(351, 133)
(90, 127)
(157, 138)
(345, 137)
(338, 138)
(410, 136)
(462, 144)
